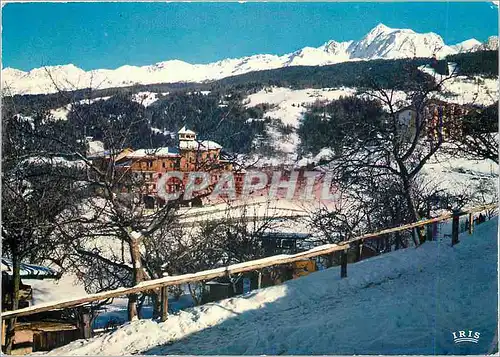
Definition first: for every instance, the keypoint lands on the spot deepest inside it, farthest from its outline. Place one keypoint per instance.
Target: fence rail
(252, 265)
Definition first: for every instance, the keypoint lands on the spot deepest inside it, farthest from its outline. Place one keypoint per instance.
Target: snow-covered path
(406, 302)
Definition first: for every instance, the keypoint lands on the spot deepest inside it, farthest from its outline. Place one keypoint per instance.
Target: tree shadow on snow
(391, 316)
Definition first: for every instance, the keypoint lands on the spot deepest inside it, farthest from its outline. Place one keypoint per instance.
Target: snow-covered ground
(50, 290)
(405, 302)
(478, 178)
(143, 98)
(253, 207)
(62, 112)
(289, 105)
(147, 98)
(463, 90)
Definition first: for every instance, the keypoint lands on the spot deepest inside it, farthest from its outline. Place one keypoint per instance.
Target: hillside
(405, 302)
(347, 74)
(263, 108)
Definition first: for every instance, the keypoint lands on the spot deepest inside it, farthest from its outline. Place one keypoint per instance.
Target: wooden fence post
(471, 223)
(359, 249)
(428, 232)
(343, 264)
(85, 328)
(4, 330)
(422, 233)
(455, 227)
(164, 303)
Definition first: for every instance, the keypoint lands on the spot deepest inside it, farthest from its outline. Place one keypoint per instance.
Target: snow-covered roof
(96, 148)
(55, 161)
(98, 155)
(285, 235)
(29, 270)
(159, 152)
(203, 145)
(186, 131)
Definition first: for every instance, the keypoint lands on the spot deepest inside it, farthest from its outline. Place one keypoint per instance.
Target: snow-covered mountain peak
(13, 73)
(492, 43)
(382, 30)
(12, 70)
(468, 45)
(384, 42)
(379, 29)
(381, 42)
(335, 48)
(57, 70)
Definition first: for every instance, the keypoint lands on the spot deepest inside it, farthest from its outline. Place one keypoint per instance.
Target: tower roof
(203, 145)
(185, 131)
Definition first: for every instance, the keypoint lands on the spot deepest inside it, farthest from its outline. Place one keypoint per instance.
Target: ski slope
(405, 302)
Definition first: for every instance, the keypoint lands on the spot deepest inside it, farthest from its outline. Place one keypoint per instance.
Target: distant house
(275, 243)
(442, 121)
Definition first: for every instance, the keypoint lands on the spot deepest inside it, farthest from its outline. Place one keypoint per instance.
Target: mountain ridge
(382, 42)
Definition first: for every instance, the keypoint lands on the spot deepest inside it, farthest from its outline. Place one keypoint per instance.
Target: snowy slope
(147, 98)
(380, 42)
(405, 302)
(463, 177)
(289, 105)
(62, 112)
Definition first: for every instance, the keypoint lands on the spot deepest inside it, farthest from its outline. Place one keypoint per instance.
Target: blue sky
(109, 35)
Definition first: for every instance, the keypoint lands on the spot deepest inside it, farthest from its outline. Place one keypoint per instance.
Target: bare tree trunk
(358, 246)
(11, 326)
(137, 276)
(192, 291)
(418, 238)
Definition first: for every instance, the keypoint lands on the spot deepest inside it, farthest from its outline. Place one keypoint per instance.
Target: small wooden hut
(43, 331)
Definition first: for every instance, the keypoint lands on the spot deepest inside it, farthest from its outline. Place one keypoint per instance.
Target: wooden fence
(253, 265)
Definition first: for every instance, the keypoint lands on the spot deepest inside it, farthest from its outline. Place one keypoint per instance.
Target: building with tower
(190, 155)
